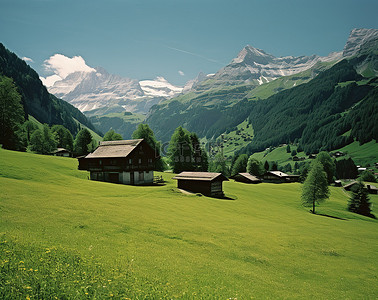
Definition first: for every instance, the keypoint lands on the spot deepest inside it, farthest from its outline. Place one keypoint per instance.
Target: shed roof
(60, 150)
(278, 173)
(110, 149)
(202, 176)
(246, 175)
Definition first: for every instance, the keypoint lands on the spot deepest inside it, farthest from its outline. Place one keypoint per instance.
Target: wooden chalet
(209, 184)
(246, 178)
(127, 162)
(62, 152)
(279, 177)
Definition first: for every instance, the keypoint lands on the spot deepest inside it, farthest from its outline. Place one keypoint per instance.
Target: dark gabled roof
(110, 149)
(201, 176)
(247, 176)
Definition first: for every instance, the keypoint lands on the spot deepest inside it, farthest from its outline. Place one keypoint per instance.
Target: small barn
(372, 189)
(209, 184)
(279, 177)
(127, 162)
(349, 186)
(246, 178)
(62, 152)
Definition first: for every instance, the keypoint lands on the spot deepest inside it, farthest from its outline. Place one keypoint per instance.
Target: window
(139, 160)
(130, 161)
(150, 160)
(141, 176)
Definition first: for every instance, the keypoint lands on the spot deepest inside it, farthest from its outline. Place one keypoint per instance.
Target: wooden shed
(209, 184)
(127, 161)
(62, 152)
(246, 178)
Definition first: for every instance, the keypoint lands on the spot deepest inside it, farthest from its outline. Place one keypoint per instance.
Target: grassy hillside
(65, 236)
(123, 123)
(366, 154)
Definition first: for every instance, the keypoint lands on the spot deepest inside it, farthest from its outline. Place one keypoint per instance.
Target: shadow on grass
(329, 216)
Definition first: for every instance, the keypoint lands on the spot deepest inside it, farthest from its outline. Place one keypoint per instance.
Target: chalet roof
(246, 175)
(278, 173)
(202, 176)
(372, 187)
(350, 184)
(110, 149)
(60, 150)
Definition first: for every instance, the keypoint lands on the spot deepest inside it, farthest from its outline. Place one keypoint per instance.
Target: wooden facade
(209, 184)
(127, 162)
(246, 178)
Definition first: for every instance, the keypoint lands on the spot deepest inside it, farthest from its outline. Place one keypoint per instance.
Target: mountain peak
(360, 39)
(251, 54)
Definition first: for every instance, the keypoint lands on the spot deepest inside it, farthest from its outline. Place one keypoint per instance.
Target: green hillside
(122, 123)
(67, 237)
(36, 100)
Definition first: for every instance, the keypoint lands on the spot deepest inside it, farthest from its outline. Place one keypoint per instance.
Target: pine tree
(359, 202)
(315, 188)
(180, 151)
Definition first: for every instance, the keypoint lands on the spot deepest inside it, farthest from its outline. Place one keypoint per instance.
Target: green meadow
(63, 236)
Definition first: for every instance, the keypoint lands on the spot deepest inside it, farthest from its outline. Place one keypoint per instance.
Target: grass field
(65, 237)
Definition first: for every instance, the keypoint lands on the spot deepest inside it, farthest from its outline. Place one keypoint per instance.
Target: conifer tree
(359, 202)
(315, 187)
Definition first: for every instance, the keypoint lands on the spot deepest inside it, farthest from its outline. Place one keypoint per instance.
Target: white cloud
(27, 59)
(181, 73)
(62, 66)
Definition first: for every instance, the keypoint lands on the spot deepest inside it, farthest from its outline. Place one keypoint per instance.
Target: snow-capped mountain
(253, 65)
(98, 89)
(159, 87)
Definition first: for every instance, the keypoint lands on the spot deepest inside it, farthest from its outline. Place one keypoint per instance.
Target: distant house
(209, 184)
(279, 177)
(246, 178)
(372, 189)
(127, 161)
(349, 186)
(338, 183)
(62, 152)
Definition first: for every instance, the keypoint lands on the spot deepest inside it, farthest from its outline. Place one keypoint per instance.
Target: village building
(279, 177)
(62, 152)
(127, 162)
(372, 189)
(206, 183)
(246, 178)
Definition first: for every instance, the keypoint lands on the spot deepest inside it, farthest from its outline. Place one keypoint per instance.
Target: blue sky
(176, 39)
